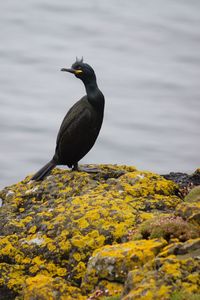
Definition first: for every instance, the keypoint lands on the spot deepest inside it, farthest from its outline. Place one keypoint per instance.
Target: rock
(195, 177)
(183, 179)
(194, 195)
(184, 250)
(114, 262)
(45, 287)
(189, 211)
(159, 279)
(189, 246)
(69, 235)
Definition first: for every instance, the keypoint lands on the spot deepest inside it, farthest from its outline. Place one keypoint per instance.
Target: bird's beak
(73, 71)
(68, 70)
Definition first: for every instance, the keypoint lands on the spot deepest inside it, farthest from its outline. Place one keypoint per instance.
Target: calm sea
(146, 55)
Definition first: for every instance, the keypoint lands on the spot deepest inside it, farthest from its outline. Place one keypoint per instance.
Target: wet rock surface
(79, 235)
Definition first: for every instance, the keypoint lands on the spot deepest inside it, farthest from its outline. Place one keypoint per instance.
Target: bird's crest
(79, 60)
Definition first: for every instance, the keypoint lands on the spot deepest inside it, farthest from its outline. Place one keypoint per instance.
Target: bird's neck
(94, 95)
(91, 88)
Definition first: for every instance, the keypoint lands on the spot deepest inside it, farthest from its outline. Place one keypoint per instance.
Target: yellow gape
(78, 71)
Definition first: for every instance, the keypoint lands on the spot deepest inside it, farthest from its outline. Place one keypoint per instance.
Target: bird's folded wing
(75, 122)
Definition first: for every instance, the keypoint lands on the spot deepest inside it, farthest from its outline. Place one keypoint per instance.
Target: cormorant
(81, 125)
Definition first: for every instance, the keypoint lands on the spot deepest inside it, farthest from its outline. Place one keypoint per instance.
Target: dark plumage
(81, 125)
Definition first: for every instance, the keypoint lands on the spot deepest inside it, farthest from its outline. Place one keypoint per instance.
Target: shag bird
(81, 125)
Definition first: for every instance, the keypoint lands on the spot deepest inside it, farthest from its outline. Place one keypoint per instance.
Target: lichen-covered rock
(50, 230)
(187, 249)
(173, 273)
(189, 211)
(44, 287)
(194, 195)
(160, 278)
(114, 262)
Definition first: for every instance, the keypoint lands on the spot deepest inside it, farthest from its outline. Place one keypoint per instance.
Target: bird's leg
(75, 167)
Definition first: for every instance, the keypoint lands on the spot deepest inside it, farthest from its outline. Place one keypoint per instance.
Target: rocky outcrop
(114, 233)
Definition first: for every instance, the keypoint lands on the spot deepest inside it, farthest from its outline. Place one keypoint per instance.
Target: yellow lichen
(32, 229)
(61, 221)
(172, 269)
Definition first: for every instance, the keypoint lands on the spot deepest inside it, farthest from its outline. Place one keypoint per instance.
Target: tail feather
(44, 171)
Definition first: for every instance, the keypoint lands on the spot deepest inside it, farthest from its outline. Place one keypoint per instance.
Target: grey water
(146, 55)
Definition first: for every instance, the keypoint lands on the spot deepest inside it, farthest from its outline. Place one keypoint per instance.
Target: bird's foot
(84, 169)
(89, 170)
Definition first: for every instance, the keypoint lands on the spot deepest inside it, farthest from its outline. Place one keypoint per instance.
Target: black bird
(81, 125)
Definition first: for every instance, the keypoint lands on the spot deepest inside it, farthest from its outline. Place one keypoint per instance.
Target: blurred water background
(146, 55)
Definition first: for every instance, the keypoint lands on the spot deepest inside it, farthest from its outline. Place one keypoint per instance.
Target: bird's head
(81, 70)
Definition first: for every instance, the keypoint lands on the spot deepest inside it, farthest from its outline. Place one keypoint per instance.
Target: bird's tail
(44, 171)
